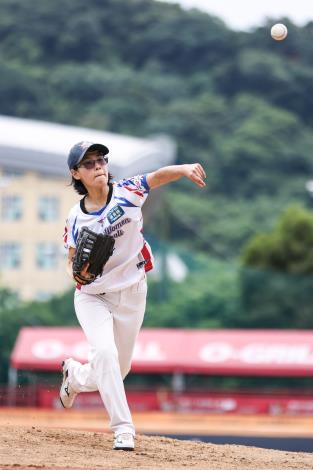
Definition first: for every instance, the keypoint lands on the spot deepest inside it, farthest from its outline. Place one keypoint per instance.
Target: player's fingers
(197, 174)
(200, 171)
(203, 173)
(84, 271)
(201, 183)
(198, 180)
(197, 170)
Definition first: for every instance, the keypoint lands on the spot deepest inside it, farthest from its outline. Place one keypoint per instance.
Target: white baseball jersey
(121, 218)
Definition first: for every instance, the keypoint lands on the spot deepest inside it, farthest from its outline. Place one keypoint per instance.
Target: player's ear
(75, 174)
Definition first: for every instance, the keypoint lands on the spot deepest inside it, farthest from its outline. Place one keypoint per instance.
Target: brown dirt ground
(28, 440)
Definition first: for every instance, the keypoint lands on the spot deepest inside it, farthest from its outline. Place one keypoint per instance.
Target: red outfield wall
(214, 352)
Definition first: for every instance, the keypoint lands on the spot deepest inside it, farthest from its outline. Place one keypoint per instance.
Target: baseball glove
(92, 253)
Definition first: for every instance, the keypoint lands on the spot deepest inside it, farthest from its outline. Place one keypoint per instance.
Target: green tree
(209, 297)
(14, 315)
(277, 275)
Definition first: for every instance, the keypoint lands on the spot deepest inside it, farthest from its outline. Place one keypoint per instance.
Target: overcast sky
(245, 14)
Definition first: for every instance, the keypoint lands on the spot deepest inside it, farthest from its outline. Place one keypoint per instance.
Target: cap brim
(93, 147)
(100, 147)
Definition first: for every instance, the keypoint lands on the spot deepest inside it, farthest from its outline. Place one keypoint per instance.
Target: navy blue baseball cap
(78, 151)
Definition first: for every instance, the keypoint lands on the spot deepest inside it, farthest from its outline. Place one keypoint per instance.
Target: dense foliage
(277, 285)
(14, 315)
(239, 103)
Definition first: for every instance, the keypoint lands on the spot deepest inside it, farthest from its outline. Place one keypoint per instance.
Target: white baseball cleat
(124, 441)
(67, 394)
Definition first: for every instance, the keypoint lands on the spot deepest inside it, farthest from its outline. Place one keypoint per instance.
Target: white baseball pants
(111, 323)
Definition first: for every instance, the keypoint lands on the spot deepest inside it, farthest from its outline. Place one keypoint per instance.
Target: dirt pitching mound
(29, 447)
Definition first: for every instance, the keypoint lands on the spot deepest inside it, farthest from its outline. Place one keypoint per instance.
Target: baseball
(279, 32)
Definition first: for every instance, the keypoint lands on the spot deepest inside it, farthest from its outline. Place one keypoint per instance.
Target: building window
(11, 208)
(47, 255)
(48, 208)
(10, 255)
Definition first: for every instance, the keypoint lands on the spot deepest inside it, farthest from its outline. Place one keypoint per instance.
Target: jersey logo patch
(115, 213)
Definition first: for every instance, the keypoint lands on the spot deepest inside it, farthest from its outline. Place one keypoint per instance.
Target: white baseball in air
(279, 32)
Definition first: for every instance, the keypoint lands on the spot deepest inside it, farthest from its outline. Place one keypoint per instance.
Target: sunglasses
(90, 164)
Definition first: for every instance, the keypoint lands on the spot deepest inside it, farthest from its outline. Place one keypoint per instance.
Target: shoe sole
(124, 448)
(62, 365)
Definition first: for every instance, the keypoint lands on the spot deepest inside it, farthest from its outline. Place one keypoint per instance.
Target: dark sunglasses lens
(89, 164)
(103, 160)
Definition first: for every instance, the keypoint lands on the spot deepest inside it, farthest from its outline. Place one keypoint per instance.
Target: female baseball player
(110, 310)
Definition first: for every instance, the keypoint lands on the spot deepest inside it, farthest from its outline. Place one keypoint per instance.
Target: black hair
(80, 187)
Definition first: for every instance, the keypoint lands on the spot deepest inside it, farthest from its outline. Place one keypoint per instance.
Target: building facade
(33, 211)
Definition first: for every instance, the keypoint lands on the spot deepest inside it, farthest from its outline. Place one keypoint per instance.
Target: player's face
(93, 169)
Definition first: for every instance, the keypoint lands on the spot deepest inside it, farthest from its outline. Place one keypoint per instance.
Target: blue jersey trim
(145, 182)
(122, 201)
(99, 212)
(74, 233)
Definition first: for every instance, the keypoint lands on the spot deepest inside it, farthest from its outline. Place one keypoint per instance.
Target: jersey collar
(83, 207)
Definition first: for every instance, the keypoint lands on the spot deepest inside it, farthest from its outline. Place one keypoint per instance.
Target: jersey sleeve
(136, 190)
(70, 232)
